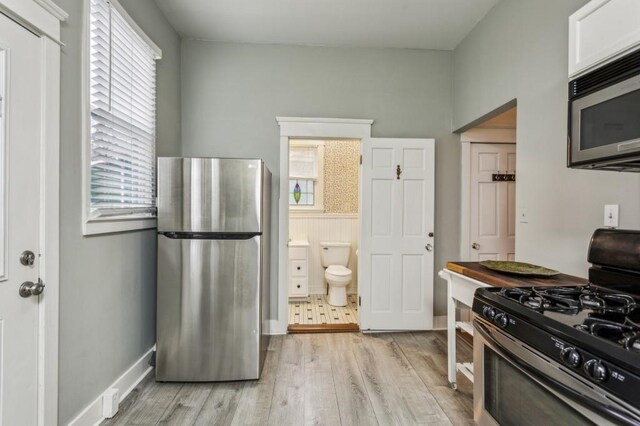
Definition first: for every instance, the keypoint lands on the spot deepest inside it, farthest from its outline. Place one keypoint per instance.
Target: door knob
(429, 247)
(29, 288)
(475, 246)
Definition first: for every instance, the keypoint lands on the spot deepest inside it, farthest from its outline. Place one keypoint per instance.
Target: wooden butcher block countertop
(498, 279)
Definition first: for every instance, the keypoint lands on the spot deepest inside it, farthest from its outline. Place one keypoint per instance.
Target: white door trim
(50, 238)
(43, 18)
(303, 127)
(467, 138)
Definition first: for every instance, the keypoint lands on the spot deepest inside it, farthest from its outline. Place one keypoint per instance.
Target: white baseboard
(92, 415)
(440, 322)
(275, 328)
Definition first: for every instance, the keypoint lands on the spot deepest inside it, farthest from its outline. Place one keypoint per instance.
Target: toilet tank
(335, 253)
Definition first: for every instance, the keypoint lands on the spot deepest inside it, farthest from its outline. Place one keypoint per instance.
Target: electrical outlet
(611, 215)
(110, 403)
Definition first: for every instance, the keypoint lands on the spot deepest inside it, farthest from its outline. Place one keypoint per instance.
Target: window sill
(315, 215)
(117, 224)
(303, 210)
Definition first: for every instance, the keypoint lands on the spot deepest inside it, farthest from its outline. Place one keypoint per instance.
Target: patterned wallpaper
(341, 162)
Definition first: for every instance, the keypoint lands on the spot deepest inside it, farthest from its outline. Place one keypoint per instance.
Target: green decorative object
(519, 268)
(297, 192)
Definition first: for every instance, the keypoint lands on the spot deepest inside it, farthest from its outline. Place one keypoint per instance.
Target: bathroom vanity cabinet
(298, 268)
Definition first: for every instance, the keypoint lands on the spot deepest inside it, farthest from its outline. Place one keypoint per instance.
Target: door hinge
(360, 159)
(359, 301)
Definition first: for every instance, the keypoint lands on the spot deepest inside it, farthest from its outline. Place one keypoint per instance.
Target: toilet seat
(338, 271)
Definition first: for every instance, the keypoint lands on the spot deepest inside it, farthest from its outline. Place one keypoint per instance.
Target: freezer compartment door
(208, 309)
(209, 195)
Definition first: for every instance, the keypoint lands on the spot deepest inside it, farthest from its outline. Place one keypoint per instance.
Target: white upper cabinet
(601, 31)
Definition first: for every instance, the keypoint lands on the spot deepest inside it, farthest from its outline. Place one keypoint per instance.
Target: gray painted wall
(107, 283)
(520, 51)
(231, 94)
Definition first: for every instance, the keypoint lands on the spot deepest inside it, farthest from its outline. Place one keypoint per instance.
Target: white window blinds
(303, 163)
(123, 115)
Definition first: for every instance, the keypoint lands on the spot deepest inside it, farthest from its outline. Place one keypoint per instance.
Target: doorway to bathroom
(323, 234)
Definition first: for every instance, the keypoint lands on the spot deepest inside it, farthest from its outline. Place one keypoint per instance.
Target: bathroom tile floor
(315, 309)
(321, 379)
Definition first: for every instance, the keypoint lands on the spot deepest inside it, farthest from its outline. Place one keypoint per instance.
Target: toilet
(335, 258)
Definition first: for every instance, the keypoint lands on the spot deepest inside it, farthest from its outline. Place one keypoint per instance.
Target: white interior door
(396, 251)
(492, 214)
(20, 135)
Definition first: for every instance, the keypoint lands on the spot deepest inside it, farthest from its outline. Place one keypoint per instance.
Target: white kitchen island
(460, 290)
(463, 279)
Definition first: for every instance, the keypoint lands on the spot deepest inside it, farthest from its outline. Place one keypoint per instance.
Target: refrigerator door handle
(211, 235)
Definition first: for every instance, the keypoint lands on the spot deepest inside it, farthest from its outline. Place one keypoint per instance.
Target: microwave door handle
(606, 410)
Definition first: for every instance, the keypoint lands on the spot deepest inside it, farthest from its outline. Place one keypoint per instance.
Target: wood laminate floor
(315, 309)
(320, 379)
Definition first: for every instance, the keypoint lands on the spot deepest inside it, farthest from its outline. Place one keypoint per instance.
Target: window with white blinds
(306, 175)
(123, 115)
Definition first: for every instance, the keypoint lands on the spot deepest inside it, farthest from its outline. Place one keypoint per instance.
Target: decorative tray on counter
(519, 268)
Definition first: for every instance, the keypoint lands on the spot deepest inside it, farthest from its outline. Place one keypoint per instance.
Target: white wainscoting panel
(325, 227)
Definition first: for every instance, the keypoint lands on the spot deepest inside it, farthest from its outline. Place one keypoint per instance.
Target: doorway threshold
(322, 328)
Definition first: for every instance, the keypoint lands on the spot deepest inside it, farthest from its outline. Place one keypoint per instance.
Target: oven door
(605, 125)
(516, 385)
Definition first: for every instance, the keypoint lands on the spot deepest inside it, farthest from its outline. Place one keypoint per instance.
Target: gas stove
(600, 312)
(590, 332)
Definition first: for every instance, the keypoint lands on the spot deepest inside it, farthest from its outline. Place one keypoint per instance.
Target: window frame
(92, 224)
(318, 190)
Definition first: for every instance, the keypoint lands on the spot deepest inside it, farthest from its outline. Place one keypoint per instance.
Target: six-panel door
(492, 229)
(397, 246)
(20, 153)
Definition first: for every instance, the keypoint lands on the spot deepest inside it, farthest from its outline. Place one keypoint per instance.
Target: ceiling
(506, 120)
(420, 24)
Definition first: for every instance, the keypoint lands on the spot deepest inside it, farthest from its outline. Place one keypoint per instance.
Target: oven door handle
(606, 410)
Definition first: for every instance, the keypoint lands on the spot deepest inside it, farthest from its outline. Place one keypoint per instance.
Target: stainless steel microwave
(604, 117)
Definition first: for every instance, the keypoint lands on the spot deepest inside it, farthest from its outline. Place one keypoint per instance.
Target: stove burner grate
(545, 299)
(611, 316)
(626, 334)
(570, 299)
(612, 302)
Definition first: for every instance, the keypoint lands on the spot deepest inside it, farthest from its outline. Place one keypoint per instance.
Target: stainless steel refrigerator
(213, 268)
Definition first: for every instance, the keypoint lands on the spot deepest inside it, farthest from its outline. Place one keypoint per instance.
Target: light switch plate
(523, 215)
(611, 215)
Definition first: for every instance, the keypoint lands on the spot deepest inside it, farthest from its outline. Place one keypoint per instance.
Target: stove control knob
(571, 357)
(596, 370)
(488, 312)
(502, 320)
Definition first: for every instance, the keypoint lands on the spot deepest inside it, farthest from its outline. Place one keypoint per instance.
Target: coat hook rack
(503, 177)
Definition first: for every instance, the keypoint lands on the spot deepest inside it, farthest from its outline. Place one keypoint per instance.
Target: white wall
(519, 50)
(325, 227)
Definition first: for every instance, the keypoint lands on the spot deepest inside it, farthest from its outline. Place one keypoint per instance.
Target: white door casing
(21, 80)
(492, 211)
(397, 244)
(304, 128)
